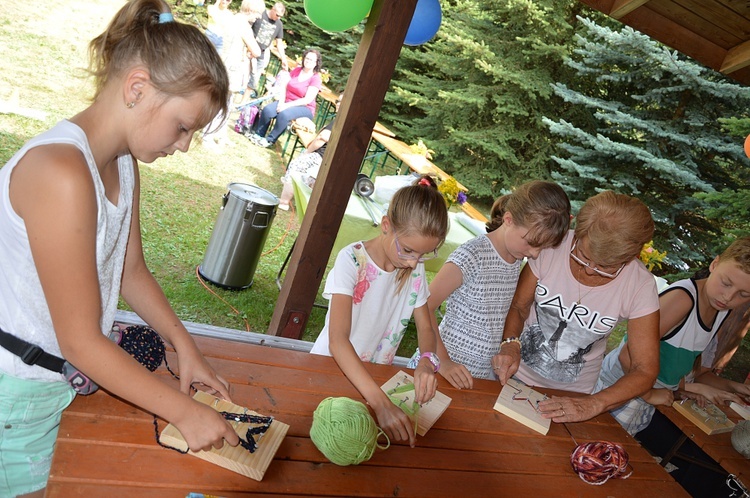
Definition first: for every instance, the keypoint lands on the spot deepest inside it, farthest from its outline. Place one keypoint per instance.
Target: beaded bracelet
(511, 339)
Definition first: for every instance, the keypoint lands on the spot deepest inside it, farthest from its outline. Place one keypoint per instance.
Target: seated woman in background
(299, 100)
(569, 300)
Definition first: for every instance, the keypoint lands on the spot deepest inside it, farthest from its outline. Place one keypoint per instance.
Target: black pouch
(141, 342)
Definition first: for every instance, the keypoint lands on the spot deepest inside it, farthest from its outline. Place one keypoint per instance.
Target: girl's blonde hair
(540, 206)
(178, 57)
(418, 209)
(739, 252)
(616, 226)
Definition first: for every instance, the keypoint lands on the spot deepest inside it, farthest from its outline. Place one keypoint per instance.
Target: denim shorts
(30, 414)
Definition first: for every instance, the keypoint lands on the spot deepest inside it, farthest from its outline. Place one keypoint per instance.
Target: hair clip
(425, 182)
(165, 17)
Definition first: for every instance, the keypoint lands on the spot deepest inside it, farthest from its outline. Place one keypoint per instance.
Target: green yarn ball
(344, 431)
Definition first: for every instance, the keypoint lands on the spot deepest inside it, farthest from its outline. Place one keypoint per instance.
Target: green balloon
(337, 15)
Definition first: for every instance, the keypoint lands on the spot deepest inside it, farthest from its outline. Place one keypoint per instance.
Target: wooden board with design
(519, 402)
(234, 458)
(400, 388)
(710, 419)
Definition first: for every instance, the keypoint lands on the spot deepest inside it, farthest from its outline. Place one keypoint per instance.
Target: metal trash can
(238, 237)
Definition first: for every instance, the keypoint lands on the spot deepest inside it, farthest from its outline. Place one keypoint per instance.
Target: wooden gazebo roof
(715, 33)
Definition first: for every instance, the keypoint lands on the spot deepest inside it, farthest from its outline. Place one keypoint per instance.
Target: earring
(130, 105)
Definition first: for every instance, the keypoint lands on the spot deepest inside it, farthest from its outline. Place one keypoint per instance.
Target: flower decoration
(451, 192)
(651, 257)
(421, 149)
(325, 76)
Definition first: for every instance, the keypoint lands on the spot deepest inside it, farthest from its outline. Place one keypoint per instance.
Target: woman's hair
(739, 252)
(616, 227)
(249, 6)
(418, 209)
(538, 205)
(316, 69)
(179, 58)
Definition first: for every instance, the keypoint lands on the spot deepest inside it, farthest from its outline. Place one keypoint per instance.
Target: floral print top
(379, 315)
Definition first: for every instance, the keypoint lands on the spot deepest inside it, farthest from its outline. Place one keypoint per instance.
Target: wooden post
(365, 89)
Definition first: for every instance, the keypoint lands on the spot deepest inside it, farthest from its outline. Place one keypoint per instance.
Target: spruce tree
(653, 131)
(476, 93)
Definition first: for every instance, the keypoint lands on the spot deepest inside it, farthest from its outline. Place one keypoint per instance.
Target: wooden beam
(737, 58)
(365, 89)
(624, 7)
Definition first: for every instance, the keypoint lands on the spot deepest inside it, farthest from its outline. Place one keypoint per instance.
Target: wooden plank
(423, 166)
(622, 7)
(737, 58)
(710, 419)
(252, 464)
(521, 403)
(716, 20)
(668, 31)
(400, 389)
(303, 478)
(695, 18)
(366, 87)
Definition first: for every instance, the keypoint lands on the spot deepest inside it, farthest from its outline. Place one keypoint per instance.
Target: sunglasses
(411, 257)
(593, 268)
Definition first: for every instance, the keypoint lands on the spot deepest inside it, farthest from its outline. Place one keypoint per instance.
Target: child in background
(479, 278)
(70, 241)
(219, 18)
(238, 46)
(374, 288)
(692, 310)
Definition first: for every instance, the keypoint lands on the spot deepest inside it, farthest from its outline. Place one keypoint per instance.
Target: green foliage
(654, 131)
(337, 49)
(477, 92)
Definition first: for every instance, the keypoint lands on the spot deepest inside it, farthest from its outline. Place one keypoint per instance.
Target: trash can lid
(253, 193)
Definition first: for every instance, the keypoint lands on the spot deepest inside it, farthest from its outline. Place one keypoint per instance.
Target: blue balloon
(425, 23)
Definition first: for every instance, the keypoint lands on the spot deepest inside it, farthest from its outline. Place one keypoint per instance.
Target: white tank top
(23, 308)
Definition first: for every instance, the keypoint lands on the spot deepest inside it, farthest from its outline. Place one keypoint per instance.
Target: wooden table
(717, 446)
(421, 165)
(106, 447)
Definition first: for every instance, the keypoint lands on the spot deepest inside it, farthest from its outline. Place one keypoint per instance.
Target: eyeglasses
(411, 257)
(593, 268)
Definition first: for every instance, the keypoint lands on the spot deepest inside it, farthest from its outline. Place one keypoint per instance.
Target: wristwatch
(433, 358)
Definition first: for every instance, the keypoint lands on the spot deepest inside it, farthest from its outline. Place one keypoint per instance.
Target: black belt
(31, 354)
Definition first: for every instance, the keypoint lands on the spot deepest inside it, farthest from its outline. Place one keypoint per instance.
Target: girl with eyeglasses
(569, 300)
(478, 279)
(374, 288)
